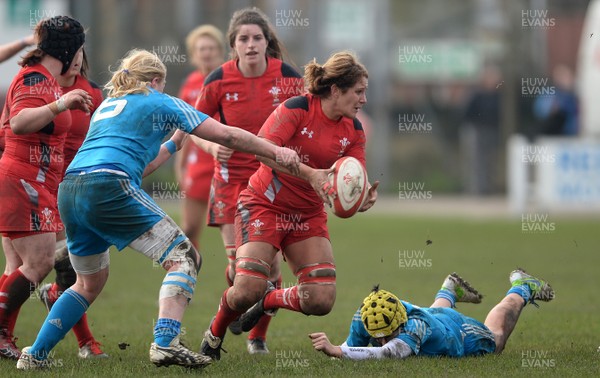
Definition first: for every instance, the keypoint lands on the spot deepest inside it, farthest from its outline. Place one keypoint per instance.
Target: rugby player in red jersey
(74, 78)
(283, 211)
(35, 121)
(193, 167)
(244, 92)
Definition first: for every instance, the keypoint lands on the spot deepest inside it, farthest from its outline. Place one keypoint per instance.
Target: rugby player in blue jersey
(398, 329)
(101, 203)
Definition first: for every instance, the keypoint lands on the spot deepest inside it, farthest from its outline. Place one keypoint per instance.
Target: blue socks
(448, 295)
(165, 331)
(67, 311)
(524, 291)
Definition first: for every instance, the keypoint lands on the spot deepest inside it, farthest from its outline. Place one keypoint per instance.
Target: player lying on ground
(398, 329)
(101, 203)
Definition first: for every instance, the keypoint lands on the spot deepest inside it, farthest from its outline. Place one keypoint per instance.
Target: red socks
(260, 329)
(15, 290)
(224, 317)
(283, 298)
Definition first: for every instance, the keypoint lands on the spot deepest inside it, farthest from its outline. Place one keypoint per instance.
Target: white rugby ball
(349, 181)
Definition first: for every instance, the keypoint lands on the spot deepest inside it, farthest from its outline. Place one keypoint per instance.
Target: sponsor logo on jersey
(231, 96)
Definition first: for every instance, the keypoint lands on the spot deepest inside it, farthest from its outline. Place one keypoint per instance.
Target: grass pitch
(561, 338)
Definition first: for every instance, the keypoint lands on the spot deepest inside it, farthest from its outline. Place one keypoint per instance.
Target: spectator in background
(10, 49)
(558, 114)
(481, 134)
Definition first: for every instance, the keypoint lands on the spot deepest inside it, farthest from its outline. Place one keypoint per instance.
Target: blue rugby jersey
(126, 132)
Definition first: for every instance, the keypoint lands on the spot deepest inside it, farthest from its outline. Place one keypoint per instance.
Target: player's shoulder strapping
(357, 124)
(289, 71)
(33, 78)
(297, 102)
(214, 76)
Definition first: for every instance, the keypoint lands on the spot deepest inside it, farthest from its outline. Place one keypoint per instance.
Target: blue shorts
(103, 209)
(456, 334)
(478, 339)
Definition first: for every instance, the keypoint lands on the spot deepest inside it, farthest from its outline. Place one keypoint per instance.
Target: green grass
(367, 249)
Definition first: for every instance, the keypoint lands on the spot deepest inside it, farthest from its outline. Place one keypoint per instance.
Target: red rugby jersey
(301, 125)
(198, 162)
(80, 121)
(1, 140)
(246, 103)
(190, 90)
(36, 156)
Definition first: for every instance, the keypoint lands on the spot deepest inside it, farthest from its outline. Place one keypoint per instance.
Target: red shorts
(257, 220)
(223, 202)
(199, 171)
(27, 207)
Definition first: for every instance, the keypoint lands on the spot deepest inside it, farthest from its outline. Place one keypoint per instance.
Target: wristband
(60, 105)
(170, 146)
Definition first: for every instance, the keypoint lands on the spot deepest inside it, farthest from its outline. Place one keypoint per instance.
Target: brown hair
(33, 57)
(254, 16)
(85, 65)
(137, 69)
(341, 69)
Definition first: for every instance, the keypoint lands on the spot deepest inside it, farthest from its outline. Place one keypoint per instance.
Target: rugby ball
(349, 181)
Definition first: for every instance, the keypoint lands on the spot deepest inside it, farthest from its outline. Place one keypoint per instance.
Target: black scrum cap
(63, 36)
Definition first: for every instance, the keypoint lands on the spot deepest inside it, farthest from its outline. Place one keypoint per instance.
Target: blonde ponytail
(136, 71)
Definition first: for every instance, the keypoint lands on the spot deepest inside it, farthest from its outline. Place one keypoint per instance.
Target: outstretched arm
(321, 343)
(395, 348)
(220, 153)
(318, 178)
(244, 141)
(12, 48)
